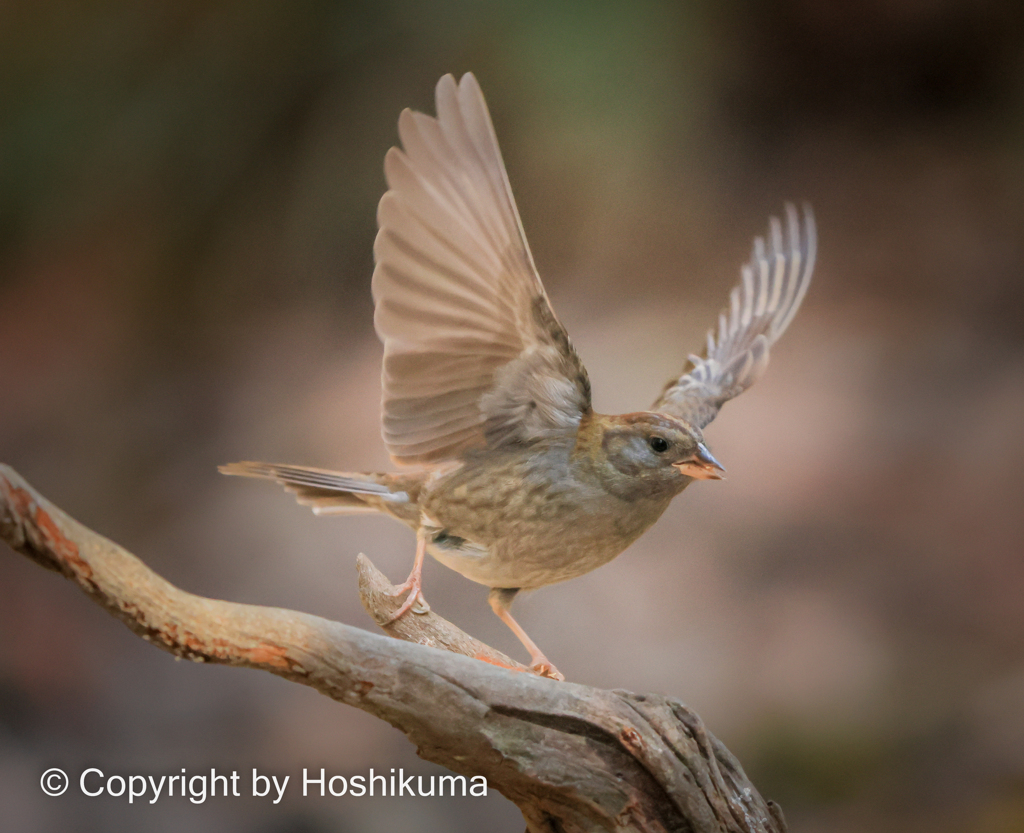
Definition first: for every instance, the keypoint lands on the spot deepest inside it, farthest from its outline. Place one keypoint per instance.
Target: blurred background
(187, 213)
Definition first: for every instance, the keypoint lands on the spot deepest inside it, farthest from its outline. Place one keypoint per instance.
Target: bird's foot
(414, 584)
(542, 667)
(414, 602)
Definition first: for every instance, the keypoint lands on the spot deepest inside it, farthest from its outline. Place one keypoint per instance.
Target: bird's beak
(702, 466)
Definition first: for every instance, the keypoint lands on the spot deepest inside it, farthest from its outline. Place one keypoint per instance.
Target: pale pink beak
(702, 466)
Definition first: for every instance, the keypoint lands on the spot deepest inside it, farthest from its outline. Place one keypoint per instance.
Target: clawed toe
(544, 668)
(415, 602)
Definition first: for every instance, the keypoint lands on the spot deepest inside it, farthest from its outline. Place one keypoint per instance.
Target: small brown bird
(518, 483)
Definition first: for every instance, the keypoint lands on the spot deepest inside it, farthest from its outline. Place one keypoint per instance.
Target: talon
(544, 668)
(415, 602)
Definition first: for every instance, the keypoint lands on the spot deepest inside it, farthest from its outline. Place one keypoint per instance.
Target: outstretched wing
(473, 353)
(760, 308)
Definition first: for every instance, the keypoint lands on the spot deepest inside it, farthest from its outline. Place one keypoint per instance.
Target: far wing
(773, 284)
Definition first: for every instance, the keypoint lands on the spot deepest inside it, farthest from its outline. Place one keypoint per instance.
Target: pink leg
(414, 584)
(500, 599)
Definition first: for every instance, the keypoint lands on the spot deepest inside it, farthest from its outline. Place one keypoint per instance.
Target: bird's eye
(659, 445)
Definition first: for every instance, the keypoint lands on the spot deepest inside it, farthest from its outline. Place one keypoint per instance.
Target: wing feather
(473, 353)
(771, 289)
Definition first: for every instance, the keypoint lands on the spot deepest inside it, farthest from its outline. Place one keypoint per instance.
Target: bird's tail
(333, 492)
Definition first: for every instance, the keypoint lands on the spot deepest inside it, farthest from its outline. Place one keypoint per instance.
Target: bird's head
(651, 450)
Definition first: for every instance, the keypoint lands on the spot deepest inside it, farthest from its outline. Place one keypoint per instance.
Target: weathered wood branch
(573, 758)
(381, 599)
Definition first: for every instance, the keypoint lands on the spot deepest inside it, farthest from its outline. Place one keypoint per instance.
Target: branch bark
(572, 757)
(381, 599)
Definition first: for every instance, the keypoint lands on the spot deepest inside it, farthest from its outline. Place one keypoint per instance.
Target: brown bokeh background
(187, 199)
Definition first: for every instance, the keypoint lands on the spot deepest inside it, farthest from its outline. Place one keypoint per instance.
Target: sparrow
(513, 480)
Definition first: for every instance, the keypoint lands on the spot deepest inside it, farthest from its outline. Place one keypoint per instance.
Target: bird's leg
(414, 584)
(500, 599)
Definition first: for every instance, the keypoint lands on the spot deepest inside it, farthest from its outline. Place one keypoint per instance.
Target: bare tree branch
(573, 758)
(381, 599)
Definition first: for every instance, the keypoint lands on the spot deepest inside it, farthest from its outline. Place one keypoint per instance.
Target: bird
(504, 471)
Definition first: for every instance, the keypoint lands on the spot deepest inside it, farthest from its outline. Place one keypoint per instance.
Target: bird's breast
(529, 520)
